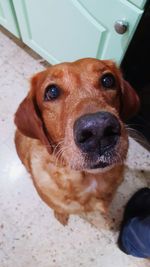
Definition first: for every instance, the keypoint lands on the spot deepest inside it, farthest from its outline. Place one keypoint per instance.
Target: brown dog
(71, 137)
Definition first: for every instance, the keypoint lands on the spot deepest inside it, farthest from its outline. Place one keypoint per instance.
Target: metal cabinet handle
(121, 26)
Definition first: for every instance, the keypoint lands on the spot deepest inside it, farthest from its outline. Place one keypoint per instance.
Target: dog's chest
(61, 185)
(69, 190)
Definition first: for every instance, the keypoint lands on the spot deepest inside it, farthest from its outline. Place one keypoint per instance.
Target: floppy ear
(29, 120)
(130, 102)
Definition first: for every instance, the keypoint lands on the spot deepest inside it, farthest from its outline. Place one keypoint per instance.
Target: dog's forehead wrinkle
(66, 75)
(55, 73)
(77, 68)
(90, 66)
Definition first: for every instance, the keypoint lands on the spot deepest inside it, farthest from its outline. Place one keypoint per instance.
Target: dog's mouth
(100, 165)
(98, 160)
(108, 158)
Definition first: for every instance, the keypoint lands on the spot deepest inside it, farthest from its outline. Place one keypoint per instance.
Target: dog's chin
(96, 163)
(94, 168)
(100, 167)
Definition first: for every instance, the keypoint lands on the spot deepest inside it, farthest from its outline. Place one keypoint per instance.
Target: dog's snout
(96, 132)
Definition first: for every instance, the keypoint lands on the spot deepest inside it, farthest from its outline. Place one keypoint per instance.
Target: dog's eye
(51, 92)
(108, 80)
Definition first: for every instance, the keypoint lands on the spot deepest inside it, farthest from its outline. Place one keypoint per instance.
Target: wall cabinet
(66, 30)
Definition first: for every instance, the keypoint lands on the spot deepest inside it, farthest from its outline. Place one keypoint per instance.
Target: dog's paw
(62, 217)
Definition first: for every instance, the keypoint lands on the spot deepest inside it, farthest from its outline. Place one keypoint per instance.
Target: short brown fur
(44, 136)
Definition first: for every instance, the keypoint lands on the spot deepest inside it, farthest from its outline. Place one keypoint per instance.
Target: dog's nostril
(110, 136)
(108, 131)
(111, 131)
(84, 136)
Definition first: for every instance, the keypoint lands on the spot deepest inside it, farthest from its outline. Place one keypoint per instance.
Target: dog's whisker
(59, 154)
(57, 157)
(56, 147)
(118, 158)
(59, 151)
(137, 136)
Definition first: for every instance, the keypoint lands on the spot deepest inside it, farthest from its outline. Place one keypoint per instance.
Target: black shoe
(137, 206)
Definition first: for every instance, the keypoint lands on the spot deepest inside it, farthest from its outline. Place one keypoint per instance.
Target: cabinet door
(65, 30)
(138, 3)
(7, 17)
(106, 12)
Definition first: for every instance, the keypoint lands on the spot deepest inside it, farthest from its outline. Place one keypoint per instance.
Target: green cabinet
(107, 13)
(138, 3)
(8, 17)
(66, 30)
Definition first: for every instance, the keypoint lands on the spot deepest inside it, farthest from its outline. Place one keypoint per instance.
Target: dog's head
(78, 108)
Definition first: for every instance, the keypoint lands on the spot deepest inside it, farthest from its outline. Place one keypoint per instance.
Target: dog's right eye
(52, 92)
(108, 81)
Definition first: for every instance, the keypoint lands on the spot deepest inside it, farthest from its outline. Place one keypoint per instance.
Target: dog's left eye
(108, 81)
(52, 92)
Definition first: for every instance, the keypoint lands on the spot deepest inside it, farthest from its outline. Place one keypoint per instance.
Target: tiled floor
(29, 234)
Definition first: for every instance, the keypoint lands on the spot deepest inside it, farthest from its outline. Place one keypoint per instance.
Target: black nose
(96, 132)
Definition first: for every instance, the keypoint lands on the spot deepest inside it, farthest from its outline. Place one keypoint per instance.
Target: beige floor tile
(25, 64)
(7, 48)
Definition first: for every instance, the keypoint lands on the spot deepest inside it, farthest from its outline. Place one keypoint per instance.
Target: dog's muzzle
(96, 133)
